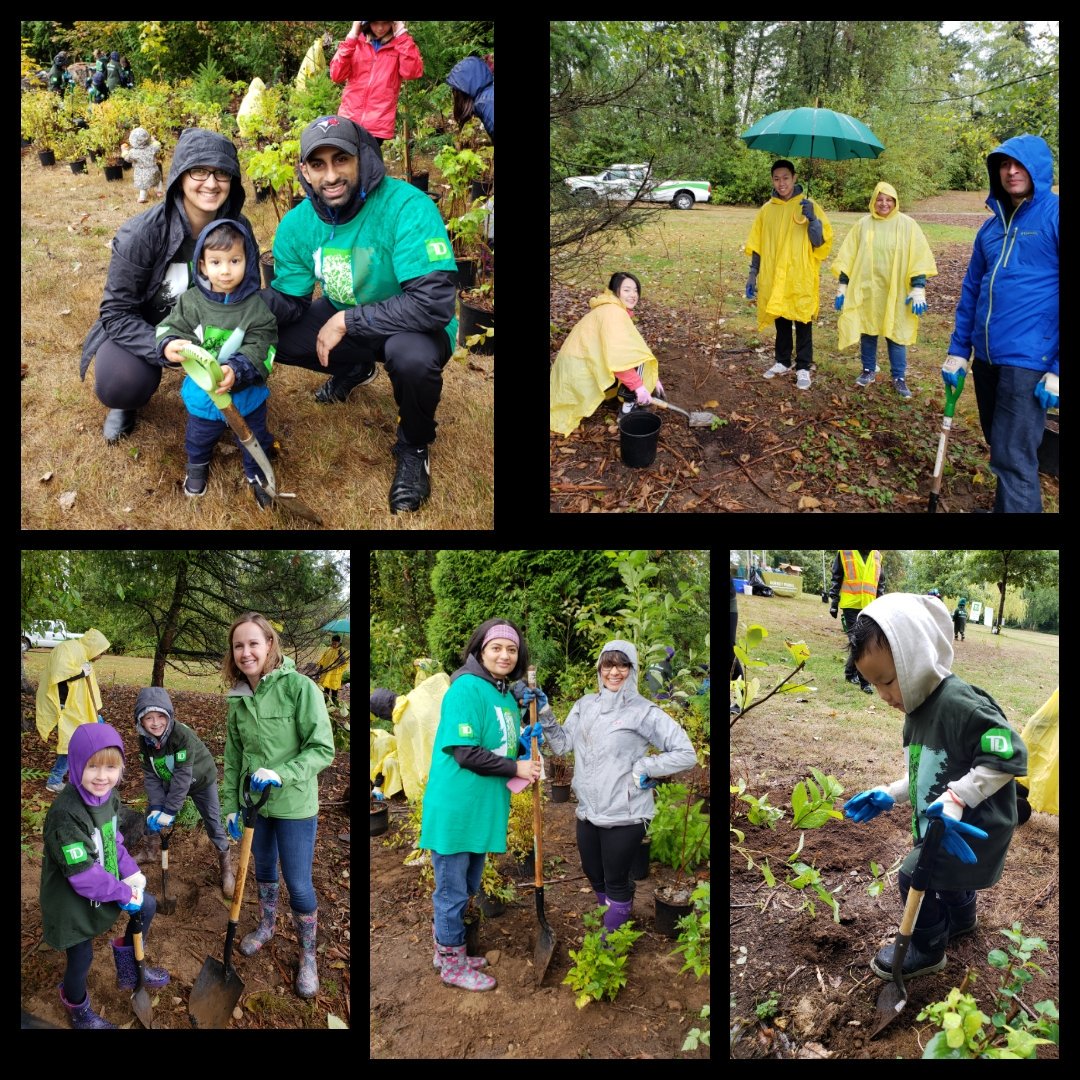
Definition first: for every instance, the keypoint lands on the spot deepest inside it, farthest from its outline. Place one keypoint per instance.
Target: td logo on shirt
(998, 741)
(465, 731)
(74, 853)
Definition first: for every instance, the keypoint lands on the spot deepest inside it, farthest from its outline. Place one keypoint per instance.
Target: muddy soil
(413, 1014)
(181, 942)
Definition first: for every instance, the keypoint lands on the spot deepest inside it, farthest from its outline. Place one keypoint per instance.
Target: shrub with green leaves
(679, 830)
(599, 965)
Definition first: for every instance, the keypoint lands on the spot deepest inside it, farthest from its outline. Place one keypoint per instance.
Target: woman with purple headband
(467, 800)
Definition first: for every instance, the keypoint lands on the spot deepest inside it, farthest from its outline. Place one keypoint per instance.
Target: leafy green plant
(695, 1036)
(694, 934)
(812, 805)
(877, 886)
(769, 1007)
(679, 830)
(760, 812)
(599, 965)
(1013, 1034)
(745, 694)
(40, 120)
(494, 885)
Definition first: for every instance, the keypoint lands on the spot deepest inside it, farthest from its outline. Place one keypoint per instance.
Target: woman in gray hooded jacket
(609, 733)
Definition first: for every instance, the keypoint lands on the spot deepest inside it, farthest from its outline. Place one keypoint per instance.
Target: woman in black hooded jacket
(151, 268)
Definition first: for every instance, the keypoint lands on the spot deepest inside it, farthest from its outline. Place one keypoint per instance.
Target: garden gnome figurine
(142, 153)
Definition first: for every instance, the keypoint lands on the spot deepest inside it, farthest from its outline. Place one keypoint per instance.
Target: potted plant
(380, 809)
(562, 770)
(70, 149)
(40, 122)
(274, 167)
(519, 832)
(680, 838)
(495, 890)
(109, 128)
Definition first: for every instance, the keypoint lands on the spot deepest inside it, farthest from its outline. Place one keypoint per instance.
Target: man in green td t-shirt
(380, 251)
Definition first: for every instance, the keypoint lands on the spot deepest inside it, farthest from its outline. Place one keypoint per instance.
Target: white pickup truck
(623, 181)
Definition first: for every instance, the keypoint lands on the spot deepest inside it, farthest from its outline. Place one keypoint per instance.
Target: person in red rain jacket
(372, 61)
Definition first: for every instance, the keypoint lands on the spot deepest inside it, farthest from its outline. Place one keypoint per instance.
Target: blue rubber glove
(100, 719)
(261, 777)
(751, 286)
(642, 781)
(525, 740)
(955, 831)
(917, 300)
(838, 303)
(135, 903)
(1047, 391)
(808, 209)
(531, 692)
(951, 370)
(159, 820)
(867, 805)
(232, 824)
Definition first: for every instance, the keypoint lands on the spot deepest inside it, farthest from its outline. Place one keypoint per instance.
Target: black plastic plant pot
(668, 916)
(489, 906)
(560, 792)
(474, 320)
(380, 820)
(638, 435)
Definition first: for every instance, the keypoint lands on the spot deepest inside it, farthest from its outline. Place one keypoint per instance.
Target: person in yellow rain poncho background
(789, 240)
(883, 265)
(603, 355)
(332, 665)
(68, 695)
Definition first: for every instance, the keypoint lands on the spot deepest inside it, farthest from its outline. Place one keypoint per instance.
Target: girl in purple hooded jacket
(87, 875)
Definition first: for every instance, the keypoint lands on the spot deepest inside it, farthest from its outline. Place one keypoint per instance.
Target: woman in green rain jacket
(279, 735)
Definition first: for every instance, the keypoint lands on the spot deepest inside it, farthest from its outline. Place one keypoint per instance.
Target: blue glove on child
(955, 831)
(867, 805)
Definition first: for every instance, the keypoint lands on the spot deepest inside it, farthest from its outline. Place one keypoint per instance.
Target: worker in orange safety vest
(856, 581)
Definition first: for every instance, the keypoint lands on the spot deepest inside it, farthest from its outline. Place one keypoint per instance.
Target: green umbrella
(813, 133)
(341, 626)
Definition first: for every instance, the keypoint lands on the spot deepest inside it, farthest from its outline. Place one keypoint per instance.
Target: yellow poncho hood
(66, 661)
(880, 256)
(603, 342)
(788, 279)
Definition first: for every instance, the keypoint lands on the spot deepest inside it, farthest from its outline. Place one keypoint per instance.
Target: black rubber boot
(119, 422)
(925, 955)
(962, 919)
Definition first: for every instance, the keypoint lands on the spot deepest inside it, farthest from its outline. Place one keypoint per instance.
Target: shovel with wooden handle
(218, 987)
(545, 937)
(697, 419)
(893, 997)
(952, 396)
(140, 999)
(168, 903)
(205, 372)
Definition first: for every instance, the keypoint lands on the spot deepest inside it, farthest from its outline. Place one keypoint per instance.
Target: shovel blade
(140, 1002)
(214, 995)
(890, 1004)
(702, 419)
(545, 947)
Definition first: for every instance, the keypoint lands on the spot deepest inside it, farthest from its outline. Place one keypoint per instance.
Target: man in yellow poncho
(789, 240)
(603, 354)
(68, 695)
(332, 664)
(882, 266)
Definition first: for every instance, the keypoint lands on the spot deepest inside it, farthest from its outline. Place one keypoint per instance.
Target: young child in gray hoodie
(962, 756)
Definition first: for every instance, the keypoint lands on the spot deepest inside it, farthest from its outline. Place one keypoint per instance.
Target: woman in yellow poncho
(68, 695)
(603, 355)
(332, 664)
(883, 265)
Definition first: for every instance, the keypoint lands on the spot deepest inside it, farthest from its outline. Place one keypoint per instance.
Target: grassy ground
(336, 458)
(1018, 669)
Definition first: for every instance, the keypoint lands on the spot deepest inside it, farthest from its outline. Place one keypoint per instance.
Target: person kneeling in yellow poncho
(883, 265)
(603, 355)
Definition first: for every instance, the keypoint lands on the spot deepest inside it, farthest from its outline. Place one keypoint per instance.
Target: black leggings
(124, 381)
(81, 955)
(606, 855)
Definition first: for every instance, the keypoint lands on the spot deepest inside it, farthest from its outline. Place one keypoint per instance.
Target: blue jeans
(1012, 422)
(292, 840)
(201, 435)
(58, 770)
(457, 877)
(897, 355)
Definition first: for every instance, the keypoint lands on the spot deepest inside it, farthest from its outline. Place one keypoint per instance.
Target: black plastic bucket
(638, 432)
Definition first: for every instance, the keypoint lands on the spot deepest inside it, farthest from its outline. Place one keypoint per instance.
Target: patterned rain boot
(474, 962)
(268, 898)
(307, 978)
(82, 1016)
(126, 973)
(456, 972)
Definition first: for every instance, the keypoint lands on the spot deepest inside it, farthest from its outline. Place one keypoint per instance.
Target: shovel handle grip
(136, 938)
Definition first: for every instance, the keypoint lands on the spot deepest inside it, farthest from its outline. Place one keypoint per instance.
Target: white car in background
(46, 635)
(624, 181)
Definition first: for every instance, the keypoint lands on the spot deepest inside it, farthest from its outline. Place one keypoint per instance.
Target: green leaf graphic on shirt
(998, 741)
(161, 767)
(213, 338)
(337, 276)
